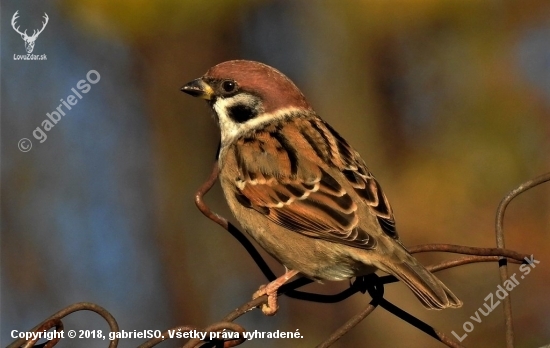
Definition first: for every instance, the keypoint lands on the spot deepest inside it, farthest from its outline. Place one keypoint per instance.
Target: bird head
(246, 95)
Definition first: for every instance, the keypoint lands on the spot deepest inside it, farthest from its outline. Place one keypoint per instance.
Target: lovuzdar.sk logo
(29, 40)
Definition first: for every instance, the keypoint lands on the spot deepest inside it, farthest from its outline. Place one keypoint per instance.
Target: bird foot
(271, 307)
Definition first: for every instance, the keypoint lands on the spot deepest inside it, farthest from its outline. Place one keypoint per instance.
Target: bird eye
(229, 86)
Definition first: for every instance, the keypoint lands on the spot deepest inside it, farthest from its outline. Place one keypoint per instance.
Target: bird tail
(430, 291)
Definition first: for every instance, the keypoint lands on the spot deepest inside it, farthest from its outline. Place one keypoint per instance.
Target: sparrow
(299, 189)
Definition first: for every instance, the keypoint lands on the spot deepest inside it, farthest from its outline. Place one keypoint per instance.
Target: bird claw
(270, 290)
(271, 307)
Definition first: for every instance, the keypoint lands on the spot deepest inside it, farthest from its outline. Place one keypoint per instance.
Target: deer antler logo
(29, 40)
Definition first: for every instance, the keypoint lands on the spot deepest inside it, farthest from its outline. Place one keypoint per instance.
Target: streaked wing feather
(303, 201)
(293, 190)
(317, 210)
(364, 183)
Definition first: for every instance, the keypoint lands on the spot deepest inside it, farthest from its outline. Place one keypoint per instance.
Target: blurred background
(447, 101)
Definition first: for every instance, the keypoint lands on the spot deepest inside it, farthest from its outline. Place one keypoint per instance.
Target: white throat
(232, 130)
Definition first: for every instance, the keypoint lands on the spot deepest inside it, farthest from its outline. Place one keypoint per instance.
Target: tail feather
(430, 291)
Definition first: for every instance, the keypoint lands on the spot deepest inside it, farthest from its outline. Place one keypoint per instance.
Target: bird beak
(198, 88)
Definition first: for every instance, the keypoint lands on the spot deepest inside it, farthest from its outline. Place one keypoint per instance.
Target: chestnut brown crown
(245, 95)
(269, 84)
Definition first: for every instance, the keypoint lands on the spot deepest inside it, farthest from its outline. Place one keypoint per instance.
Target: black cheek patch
(242, 113)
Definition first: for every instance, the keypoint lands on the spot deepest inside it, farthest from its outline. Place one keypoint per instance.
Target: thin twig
(80, 306)
(500, 243)
(217, 327)
(350, 324)
(371, 283)
(467, 260)
(430, 330)
(466, 250)
(478, 255)
(199, 198)
(47, 325)
(235, 232)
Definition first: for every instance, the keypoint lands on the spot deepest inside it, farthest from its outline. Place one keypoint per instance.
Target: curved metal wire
(503, 264)
(55, 321)
(373, 284)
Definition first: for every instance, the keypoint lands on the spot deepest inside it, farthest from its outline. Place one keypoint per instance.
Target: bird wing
(303, 184)
(364, 183)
